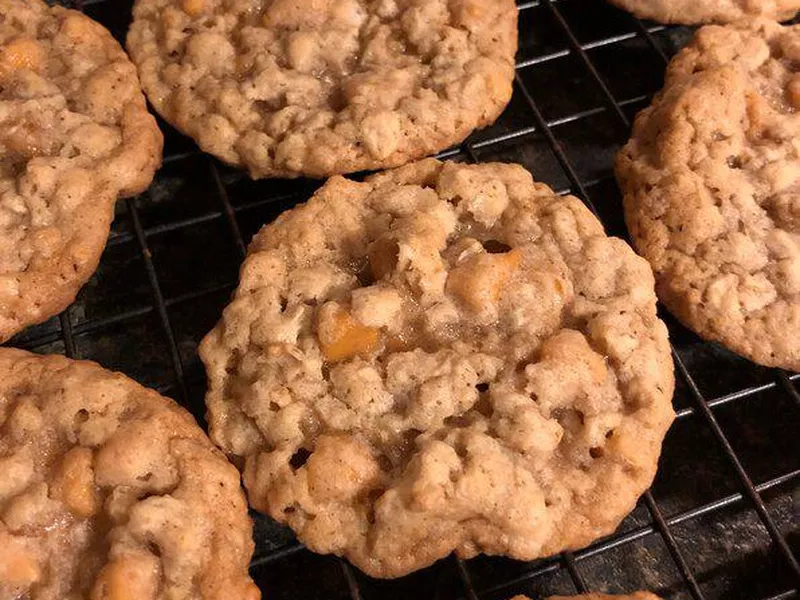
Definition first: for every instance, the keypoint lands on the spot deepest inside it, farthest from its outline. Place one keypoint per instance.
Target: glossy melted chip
(75, 135)
(444, 357)
(111, 492)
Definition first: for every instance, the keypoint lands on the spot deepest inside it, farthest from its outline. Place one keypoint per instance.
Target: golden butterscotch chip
(480, 280)
(317, 87)
(711, 182)
(19, 566)
(112, 492)
(442, 358)
(75, 135)
(130, 577)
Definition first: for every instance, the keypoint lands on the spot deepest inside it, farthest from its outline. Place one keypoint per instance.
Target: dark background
(720, 521)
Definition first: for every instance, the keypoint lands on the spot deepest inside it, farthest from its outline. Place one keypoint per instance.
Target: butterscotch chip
(443, 357)
(75, 135)
(692, 12)
(711, 181)
(317, 87)
(111, 492)
(633, 596)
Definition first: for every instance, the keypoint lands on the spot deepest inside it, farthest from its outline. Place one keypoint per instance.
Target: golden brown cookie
(317, 87)
(711, 182)
(111, 492)
(693, 12)
(443, 357)
(75, 135)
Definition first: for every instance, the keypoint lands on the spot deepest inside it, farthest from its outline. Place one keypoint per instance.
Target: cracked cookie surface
(711, 182)
(75, 135)
(111, 492)
(318, 87)
(443, 357)
(694, 12)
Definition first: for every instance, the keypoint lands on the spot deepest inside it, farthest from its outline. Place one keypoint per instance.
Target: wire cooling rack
(720, 521)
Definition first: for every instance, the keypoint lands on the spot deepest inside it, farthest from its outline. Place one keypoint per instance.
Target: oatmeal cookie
(75, 135)
(633, 596)
(444, 357)
(319, 87)
(693, 12)
(111, 492)
(711, 182)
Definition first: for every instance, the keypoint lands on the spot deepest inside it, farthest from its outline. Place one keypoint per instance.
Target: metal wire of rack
(720, 520)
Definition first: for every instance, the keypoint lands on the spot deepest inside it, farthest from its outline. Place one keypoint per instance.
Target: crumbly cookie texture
(75, 135)
(318, 87)
(633, 596)
(112, 492)
(711, 181)
(693, 12)
(444, 357)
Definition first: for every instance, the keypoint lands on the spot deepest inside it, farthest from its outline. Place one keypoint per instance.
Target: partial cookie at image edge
(114, 491)
(299, 409)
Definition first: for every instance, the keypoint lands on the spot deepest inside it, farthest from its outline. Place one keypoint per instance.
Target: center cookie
(317, 87)
(444, 357)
